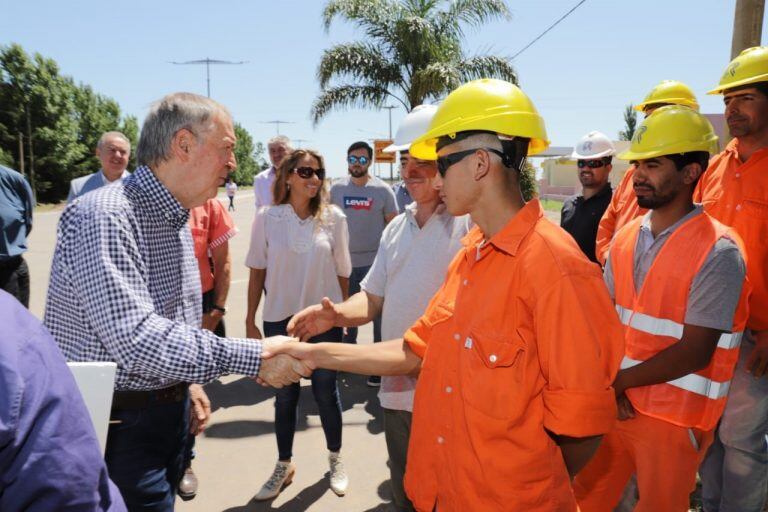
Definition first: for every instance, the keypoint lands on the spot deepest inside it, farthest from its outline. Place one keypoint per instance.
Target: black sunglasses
(444, 162)
(592, 164)
(352, 160)
(307, 172)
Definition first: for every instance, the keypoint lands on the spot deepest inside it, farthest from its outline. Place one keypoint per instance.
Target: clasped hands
(285, 360)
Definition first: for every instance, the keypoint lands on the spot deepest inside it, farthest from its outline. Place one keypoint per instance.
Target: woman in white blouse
(299, 254)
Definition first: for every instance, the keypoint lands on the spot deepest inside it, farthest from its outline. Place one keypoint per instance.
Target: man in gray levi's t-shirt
(369, 205)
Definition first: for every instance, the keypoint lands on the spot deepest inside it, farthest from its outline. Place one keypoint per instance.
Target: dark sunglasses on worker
(592, 164)
(444, 162)
(307, 172)
(352, 160)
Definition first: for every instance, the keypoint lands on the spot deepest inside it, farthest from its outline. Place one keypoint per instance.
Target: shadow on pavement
(299, 503)
(246, 392)
(243, 391)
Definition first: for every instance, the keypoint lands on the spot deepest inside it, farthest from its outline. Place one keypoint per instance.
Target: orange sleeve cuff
(417, 345)
(579, 413)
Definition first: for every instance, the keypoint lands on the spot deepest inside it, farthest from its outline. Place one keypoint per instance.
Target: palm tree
(630, 123)
(412, 52)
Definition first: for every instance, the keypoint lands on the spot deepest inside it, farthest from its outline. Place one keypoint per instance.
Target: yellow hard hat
(671, 130)
(489, 105)
(670, 91)
(749, 67)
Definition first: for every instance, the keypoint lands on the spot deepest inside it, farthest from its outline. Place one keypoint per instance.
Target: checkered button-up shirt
(125, 288)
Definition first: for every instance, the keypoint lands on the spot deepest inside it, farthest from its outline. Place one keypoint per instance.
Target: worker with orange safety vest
(623, 206)
(734, 190)
(678, 281)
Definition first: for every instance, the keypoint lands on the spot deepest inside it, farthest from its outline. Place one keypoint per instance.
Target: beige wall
(562, 172)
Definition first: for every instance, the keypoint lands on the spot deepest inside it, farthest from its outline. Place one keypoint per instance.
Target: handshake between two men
(286, 360)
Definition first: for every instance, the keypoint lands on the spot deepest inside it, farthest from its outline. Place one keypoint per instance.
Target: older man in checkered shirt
(125, 288)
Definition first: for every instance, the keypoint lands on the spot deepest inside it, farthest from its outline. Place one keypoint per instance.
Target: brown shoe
(188, 485)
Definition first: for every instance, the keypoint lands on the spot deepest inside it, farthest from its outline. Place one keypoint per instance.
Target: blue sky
(580, 75)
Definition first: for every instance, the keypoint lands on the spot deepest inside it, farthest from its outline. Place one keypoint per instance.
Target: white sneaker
(339, 480)
(280, 479)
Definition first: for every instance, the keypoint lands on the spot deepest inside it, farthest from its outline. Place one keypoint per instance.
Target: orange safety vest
(654, 318)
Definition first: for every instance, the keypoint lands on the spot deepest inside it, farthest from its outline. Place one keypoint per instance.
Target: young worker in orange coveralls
(518, 348)
(677, 278)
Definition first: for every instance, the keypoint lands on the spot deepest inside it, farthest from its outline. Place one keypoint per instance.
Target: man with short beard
(581, 213)
(734, 190)
(677, 279)
(369, 205)
(113, 151)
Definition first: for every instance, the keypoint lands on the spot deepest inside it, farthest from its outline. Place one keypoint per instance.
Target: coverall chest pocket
(492, 374)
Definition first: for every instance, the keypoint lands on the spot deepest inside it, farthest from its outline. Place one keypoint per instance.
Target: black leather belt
(131, 400)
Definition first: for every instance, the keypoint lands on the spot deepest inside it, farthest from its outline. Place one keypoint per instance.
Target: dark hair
(692, 157)
(515, 149)
(281, 193)
(762, 87)
(361, 145)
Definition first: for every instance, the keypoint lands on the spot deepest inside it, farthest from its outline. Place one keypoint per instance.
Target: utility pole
(390, 107)
(299, 142)
(277, 123)
(208, 63)
(747, 25)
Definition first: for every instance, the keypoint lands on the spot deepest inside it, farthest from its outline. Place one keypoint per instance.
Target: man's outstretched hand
(313, 320)
(280, 369)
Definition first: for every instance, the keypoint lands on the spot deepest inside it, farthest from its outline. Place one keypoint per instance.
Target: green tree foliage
(528, 181)
(630, 123)
(412, 52)
(60, 122)
(249, 155)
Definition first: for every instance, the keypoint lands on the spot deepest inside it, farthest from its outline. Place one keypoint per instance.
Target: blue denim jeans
(145, 454)
(325, 390)
(734, 473)
(357, 276)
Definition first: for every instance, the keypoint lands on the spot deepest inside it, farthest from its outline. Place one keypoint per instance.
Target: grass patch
(551, 205)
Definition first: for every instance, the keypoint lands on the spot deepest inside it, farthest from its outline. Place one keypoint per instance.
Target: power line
(548, 29)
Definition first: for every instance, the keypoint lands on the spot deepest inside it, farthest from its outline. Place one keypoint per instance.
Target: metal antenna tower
(208, 63)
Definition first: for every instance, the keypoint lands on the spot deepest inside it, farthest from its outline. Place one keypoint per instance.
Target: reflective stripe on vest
(666, 327)
(691, 382)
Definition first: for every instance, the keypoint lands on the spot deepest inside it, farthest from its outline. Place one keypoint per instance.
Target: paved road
(238, 451)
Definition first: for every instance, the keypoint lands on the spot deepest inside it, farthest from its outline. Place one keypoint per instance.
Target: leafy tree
(630, 123)
(59, 120)
(528, 181)
(249, 157)
(412, 52)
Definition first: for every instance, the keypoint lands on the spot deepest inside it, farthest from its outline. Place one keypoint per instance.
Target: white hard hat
(593, 145)
(416, 123)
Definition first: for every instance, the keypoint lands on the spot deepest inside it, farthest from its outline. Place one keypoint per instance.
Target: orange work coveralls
(520, 343)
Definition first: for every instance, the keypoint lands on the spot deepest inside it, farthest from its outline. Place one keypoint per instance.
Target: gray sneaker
(339, 480)
(280, 479)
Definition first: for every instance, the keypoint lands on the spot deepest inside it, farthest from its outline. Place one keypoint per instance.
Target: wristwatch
(219, 308)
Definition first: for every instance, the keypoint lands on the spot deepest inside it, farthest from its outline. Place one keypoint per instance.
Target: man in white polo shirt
(415, 250)
(278, 147)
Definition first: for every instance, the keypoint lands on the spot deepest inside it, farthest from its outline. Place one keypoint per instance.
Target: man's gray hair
(177, 111)
(110, 135)
(280, 139)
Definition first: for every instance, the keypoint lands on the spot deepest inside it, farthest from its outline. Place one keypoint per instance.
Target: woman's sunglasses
(352, 160)
(307, 172)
